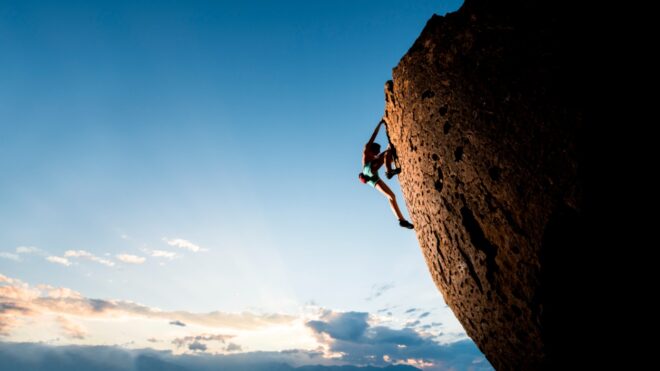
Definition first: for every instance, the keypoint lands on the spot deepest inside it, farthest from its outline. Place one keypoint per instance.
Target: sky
(182, 176)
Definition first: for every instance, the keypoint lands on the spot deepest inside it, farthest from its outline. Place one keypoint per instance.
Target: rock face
(485, 113)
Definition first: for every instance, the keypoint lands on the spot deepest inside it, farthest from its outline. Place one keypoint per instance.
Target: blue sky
(202, 156)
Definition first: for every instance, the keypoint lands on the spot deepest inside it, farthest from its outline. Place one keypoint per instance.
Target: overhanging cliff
(486, 115)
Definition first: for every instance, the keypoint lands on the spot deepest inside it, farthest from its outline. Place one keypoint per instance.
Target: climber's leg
(389, 159)
(384, 189)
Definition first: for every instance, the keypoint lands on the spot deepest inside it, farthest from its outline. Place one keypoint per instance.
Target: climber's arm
(373, 136)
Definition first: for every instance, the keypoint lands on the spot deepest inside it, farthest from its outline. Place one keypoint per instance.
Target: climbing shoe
(406, 224)
(390, 173)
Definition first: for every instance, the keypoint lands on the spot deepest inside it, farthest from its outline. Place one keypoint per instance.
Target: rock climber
(372, 160)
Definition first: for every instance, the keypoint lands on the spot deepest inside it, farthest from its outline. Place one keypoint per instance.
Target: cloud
(131, 259)
(198, 342)
(354, 340)
(58, 292)
(10, 256)
(64, 260)
(233, 347)
(10, 314)
(163, 254)
(196, 345)
(5, 279)
(183, 244)
(19, 300)
(59, 260)
(378, 290)
(77, 254)
(311, 354)
(6, 324)
(71, 329)
(343, 326)
(429, 326)
(412, 310)
(29, 250)
(89, 256)
(412, 323)
(423, 315)
(332, 338)
(177, 323)
(74, 254)
(203, 337)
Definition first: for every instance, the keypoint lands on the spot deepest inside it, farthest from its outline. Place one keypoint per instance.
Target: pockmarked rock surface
(484, 112)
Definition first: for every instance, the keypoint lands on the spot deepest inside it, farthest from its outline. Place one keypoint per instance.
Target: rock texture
(485, 113)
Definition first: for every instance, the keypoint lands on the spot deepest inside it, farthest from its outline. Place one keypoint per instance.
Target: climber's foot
(406, 224)
(390, 173)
